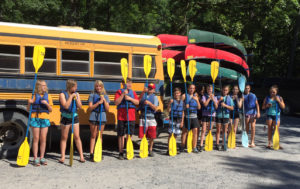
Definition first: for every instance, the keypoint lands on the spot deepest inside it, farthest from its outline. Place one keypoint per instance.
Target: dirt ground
(238, 168)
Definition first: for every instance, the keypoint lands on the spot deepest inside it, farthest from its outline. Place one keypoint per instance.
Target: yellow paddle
(98, 146)
(231, 137)
(276, 145)
(172, 142)
(24, 150)
(129, 145)
(144, 142)
(72, 133)
(214, 70)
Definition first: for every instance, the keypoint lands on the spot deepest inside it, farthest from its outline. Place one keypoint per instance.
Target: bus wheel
(12, 133)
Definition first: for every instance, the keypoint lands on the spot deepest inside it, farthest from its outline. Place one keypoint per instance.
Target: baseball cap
(151, 85)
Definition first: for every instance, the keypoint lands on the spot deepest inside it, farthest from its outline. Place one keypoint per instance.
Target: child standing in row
(152, 103)
(66, 99)
(273, 105)
(210, 104)
(252, 112)
(193, 105)
(238, 102)
(97, 99)
(225, 105)
(39, 121)
(178, 115)
(121, 96)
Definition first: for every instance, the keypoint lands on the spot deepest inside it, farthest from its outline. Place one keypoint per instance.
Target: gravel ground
(238, 168)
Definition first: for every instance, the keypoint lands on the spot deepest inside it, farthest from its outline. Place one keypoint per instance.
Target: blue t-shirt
(155, 103)
(222, 111)
(250, 104)
(95, 116)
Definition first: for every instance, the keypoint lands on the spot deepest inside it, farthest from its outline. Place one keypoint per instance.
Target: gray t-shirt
(95, 116)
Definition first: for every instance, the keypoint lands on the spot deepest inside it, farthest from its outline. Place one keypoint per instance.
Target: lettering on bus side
(74, 43)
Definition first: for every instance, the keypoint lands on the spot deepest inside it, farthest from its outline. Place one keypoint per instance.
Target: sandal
(36, 162)
(61, 161)
(44, 161)
(82, 161)
(268, 147)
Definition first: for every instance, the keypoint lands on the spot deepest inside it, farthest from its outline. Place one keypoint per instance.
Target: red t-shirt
(122, 113)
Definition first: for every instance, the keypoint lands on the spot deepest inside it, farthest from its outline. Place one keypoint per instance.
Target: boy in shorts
(152, 104)
(178, 114)
(121, 96)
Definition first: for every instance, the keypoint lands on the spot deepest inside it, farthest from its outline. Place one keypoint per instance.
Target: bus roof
(64, 33)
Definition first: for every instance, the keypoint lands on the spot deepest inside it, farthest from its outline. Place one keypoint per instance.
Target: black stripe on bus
(75, 40)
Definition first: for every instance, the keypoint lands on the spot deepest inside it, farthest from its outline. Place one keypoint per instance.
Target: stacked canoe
(204, 47)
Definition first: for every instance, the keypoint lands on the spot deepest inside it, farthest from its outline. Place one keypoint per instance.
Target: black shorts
(97, 122)
(123, 127)
(222, 120)
(68, 121)
(194, 123)
(236, 115)
(207, 119)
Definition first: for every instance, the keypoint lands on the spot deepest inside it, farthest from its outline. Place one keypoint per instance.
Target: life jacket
(177, 108)
(235, 105)
(251, 102)
(227, 100)
(69, 110)
(268, 100)
(193, 105)
(38, 106)
(123, 103)
(210, 107)
(142, 105)
(96, 98)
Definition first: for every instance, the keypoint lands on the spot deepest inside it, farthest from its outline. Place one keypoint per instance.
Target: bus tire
(13, 126)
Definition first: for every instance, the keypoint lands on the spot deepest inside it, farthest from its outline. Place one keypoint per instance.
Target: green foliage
(265, 27)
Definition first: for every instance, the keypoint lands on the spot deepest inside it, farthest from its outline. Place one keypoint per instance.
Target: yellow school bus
(71, 53)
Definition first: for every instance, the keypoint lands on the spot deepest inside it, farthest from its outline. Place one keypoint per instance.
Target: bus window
(75, 62)
(49, 64)
(138, 66)
(9, 58)
(107, 63)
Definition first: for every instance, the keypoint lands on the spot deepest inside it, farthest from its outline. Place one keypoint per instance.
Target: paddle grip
(30, 110)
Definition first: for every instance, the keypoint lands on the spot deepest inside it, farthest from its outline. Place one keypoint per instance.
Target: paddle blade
(171, 67)
(147, 65)
(23, 153)
(124, 68)
(172, 146)
(192, 69)
(144, 147)
(190, 141)
(98, 149)
(245, 141)
(214, 70)
(71, 151)
(231, 140)
(38, 57)
(276, 139)
(242, 83)
(209, 142)
(129, 149)
(183, 69)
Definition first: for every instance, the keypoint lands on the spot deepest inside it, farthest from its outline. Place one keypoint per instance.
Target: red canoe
(168, 40)
(177, 55)
(230, 60)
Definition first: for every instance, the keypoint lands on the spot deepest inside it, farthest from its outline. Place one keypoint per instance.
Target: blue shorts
(39, 123)
(273, 118)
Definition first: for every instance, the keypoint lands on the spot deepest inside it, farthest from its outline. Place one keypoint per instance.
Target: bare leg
(151, 142)
(225, 127)
(203, 132)
(218, 133)
(195, 137)
(63, 140)
(183, 137)
(43, 139)
(94, 131)
(35, 143)
(269, 123)
(236, 123)
(253, 122)
(78, 141)
(121, 143)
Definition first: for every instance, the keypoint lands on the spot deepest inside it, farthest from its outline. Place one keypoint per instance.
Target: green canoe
(204, 71)
(216, 40)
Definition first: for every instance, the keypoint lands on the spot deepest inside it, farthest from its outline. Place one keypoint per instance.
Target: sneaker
(167, 153)
(201, 148)
(181, 149)
(219, 147)
(92, 157)
(151, 154)
(121, 156)
(195, 150)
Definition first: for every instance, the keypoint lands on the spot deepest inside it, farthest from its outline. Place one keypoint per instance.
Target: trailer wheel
(12, 132)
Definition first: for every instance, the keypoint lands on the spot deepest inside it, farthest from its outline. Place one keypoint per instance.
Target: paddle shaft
(29, 118)
(145, 125)
(100, 120)
(211, 110)
(188, 109)
(127, 114)
(244, 116)
(171, 105)
(73, 113)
